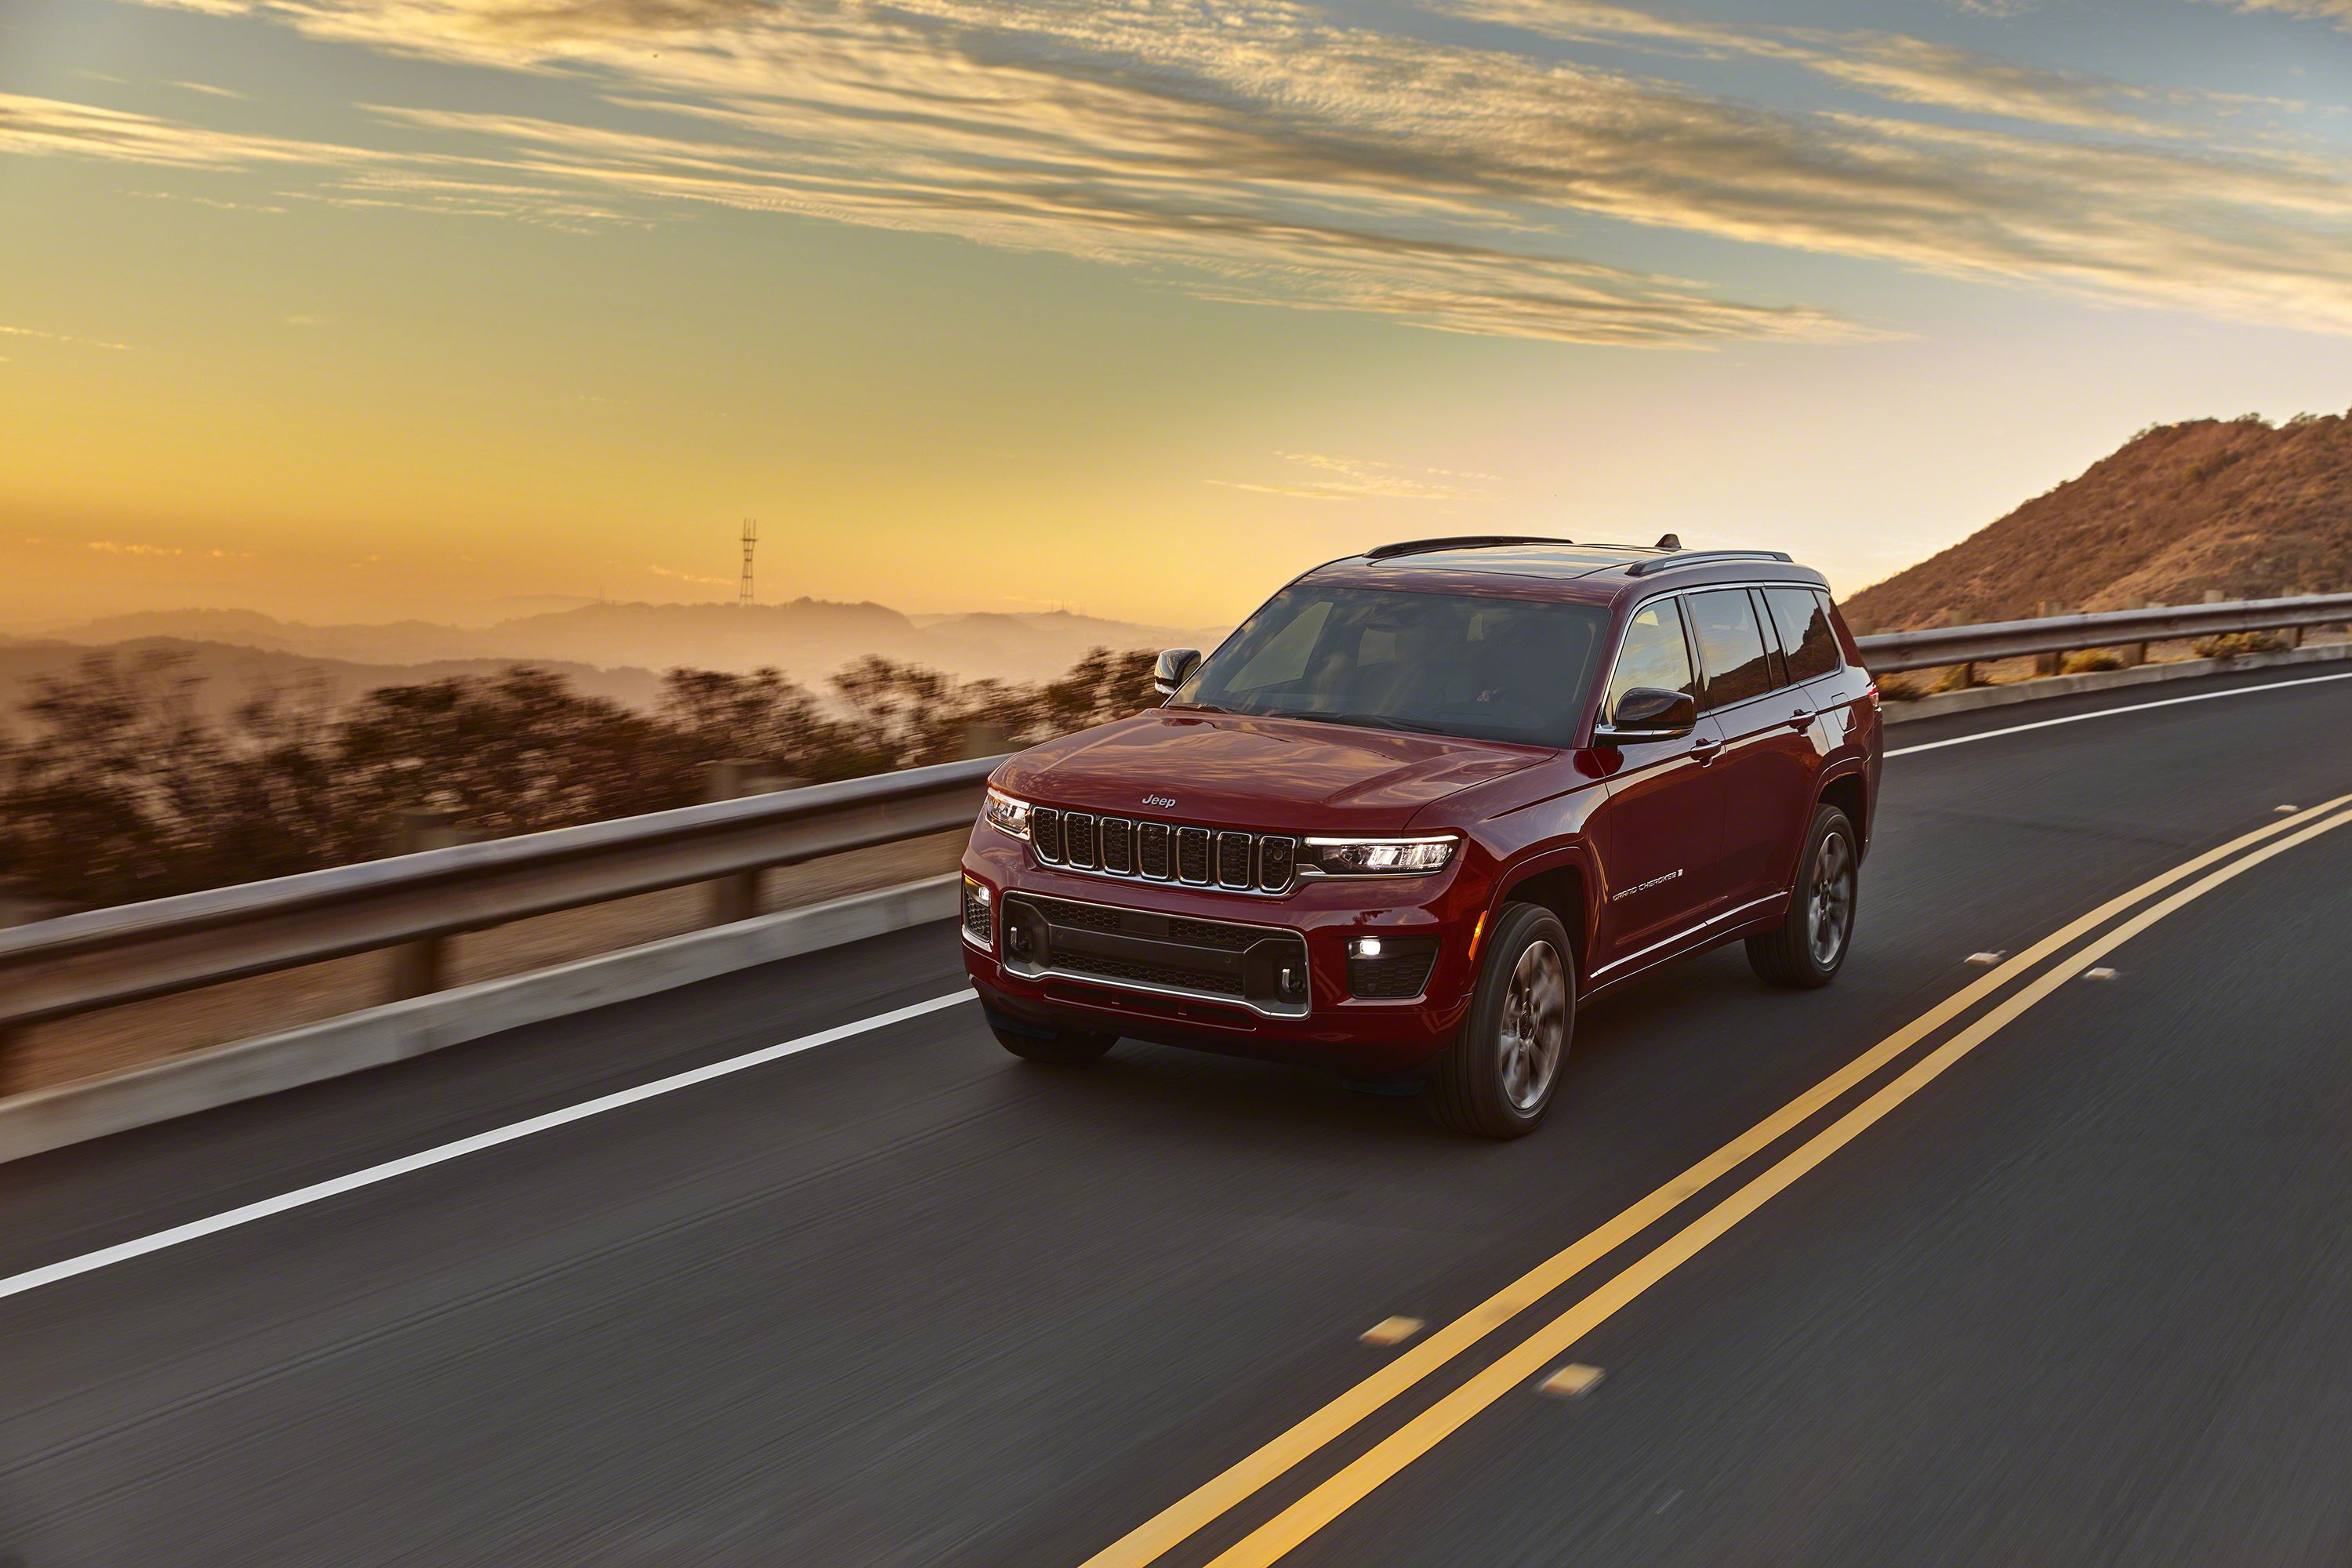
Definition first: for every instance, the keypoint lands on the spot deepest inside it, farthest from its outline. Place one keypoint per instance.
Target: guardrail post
(2049, 663)
(2133, 653)
(736, 897)
(416, 966)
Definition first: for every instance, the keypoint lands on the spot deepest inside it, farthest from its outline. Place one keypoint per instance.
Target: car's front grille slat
(1079, 839)
(1227, 859)
(1154, 856)
(1117, 845)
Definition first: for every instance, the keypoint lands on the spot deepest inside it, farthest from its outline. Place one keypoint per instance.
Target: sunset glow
(362, 309)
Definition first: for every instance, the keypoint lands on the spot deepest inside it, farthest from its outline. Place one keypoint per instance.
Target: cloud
(2336, 11)
(64, 338)
(206, 88)
(1348, 478)
(1263, 150)
(692, 577)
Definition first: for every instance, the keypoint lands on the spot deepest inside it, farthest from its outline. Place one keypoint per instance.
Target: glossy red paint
(1647, 851)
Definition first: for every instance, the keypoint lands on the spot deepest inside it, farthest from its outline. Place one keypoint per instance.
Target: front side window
(1655, 654)
(1730, 646)
(1807, 642)
(1446, 664)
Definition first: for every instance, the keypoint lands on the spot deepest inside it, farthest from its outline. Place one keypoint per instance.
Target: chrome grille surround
(1227, 860)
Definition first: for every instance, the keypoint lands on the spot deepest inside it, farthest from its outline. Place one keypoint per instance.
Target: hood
(1272, 774)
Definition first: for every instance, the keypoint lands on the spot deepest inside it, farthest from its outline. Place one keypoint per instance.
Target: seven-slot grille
(1122, 846)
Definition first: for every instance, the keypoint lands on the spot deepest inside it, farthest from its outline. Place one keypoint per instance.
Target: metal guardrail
(1890, 653)
(83, 962)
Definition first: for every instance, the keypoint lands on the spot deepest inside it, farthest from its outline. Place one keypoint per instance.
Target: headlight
(1379, 857)
(1005, 814)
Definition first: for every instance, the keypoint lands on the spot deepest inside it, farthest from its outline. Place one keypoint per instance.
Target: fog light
(1364, 947)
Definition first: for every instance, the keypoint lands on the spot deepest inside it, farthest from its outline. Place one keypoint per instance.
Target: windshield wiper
(1368, 720)
(1196, 707)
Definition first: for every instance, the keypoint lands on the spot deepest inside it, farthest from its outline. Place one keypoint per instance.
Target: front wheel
(1808, 947)
(1497, 1080)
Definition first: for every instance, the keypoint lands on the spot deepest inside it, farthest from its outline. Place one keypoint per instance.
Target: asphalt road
(2084, 1296)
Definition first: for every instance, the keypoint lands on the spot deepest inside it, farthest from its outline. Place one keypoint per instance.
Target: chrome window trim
(1698, 671)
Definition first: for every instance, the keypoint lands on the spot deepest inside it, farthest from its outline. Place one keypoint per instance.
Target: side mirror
(1649, 713)
(1174, 665)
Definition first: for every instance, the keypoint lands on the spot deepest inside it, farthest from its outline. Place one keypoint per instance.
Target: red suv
(1425, 802)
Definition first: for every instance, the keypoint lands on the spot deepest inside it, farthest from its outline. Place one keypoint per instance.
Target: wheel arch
(1559, 883)
(1849, 793)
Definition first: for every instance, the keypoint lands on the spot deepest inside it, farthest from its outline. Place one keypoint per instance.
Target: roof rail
(1462, 541)
(1692, 558)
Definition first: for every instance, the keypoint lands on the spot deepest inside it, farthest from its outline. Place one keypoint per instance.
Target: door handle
(1706, 750)
(1802, 718)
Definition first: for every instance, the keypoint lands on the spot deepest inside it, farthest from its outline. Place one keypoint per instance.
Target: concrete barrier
(180, 1086)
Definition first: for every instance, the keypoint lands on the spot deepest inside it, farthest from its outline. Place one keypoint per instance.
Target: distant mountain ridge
(809, 639)
(2240, 506)
(231, 673)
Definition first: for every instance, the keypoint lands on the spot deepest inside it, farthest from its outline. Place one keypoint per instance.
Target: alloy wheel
(1534, 1032)
(1829, 902)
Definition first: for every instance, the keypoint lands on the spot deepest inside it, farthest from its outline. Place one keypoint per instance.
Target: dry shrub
(1900, 689)
(2083, 661)
(1958, 677)
(2237, 645)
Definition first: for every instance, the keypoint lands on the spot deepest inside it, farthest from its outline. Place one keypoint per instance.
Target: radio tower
(750, 538)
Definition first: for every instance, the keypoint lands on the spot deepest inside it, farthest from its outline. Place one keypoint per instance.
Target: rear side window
(1731, 653)
(1654, 655)
(1807, 641)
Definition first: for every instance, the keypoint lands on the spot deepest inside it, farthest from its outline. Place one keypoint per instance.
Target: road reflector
(2100, 974)
(2283, 810)
(1983, 958)
(1389, 1331)
(1569, 1380)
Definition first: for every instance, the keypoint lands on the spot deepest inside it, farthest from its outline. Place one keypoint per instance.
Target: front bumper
(1246, 974)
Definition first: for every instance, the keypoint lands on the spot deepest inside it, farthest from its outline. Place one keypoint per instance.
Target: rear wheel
(1809, 946)
(1498, 1078)
(1044, 1043)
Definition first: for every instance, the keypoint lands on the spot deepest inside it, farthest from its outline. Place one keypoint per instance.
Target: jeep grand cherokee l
(1428, 800)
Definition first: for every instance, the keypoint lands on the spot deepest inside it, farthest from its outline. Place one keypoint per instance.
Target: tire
(1809, 946)
(1055, 1047)
(1499, 1076)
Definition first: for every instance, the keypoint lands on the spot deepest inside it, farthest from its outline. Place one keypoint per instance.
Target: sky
(365, 309)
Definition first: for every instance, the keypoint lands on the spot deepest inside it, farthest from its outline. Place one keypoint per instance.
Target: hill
(2249, 508)
(230, 675)
(808, 639)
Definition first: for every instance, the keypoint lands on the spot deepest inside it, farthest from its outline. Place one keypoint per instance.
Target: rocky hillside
(2243, 506)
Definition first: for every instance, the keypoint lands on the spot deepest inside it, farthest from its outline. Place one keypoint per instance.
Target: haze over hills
(2250, 509)
(808, 639)
(229, 674)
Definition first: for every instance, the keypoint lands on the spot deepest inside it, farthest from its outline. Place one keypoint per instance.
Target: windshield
(1444, 664)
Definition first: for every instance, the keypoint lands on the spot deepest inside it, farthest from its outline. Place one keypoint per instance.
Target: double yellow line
(1148, 1542)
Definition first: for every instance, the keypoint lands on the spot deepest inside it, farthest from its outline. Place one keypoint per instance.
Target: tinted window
(1806, 640)
(1654, 654)
(1448, 664)
(1730, 646)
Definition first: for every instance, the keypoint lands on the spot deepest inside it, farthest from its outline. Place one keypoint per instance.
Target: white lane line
(2110, 712)
(89, 1262)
